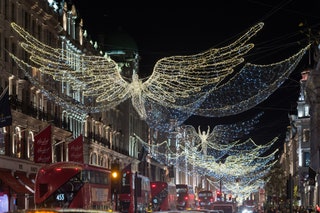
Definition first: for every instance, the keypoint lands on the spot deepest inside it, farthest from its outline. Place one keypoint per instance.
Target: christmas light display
(203, 84)
(247, 88)
(179, 86)
(232, 164)
(176, 77)
(228, 161)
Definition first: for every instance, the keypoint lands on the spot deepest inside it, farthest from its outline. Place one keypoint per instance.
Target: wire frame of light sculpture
(237, 158)
(257, 82)
(216, 143)
(239, 189)
(99, 79)
(174, 78)
(241, 163)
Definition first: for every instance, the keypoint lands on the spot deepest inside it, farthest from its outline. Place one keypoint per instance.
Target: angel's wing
(95, 75)
(179, 77)
(257, 82)
(226, 133)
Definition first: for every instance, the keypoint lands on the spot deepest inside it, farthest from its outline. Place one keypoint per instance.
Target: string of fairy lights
(180, 86)
(240, 189)
(234, 159)
(257, 82)
(176, 81)
(248, 160)
(244, 163)
(203, 84)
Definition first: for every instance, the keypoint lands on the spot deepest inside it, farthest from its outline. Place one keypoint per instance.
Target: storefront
(16, 191)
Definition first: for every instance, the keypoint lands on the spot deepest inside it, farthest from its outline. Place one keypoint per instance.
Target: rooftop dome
(119, 40)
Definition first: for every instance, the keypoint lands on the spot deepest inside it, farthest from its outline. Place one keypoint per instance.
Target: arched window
(30, 146)
(17, 142)
(93, 158)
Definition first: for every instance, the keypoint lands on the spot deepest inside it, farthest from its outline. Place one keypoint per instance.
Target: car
(205, 199)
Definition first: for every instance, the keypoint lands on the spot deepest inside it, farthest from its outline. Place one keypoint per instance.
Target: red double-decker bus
(164, 196)
(71, 185)
(135, 193)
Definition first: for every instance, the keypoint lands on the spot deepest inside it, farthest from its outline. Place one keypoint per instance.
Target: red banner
(43, 147)
(75, 150)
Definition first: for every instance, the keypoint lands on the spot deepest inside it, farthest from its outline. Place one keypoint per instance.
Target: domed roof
(119, 40)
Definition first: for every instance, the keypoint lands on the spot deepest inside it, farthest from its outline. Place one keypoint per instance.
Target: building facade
(108, 136)
(37, 102)
(300, 156)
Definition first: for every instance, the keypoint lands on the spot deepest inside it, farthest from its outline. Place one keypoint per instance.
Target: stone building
(300, 157)
(313, 99)
(36, 102)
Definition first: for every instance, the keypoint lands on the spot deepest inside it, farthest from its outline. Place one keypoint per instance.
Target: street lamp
(115, 181)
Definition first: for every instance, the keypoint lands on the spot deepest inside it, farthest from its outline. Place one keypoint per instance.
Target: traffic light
(218, 195)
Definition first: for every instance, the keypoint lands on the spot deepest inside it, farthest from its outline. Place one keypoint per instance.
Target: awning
(24, 179)
(12, 182)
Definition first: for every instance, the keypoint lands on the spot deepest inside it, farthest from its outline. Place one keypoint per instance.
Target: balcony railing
(35, 112)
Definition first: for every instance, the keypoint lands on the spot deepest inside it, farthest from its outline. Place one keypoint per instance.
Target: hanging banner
(75, 150)
(43, 147)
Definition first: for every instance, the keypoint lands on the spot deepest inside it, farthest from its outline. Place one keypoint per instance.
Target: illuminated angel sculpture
(213, 144)
(221, 140)
(179, 86)
(176, 77)
(203, 137)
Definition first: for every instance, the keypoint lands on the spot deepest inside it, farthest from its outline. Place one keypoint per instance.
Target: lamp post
(115, 181)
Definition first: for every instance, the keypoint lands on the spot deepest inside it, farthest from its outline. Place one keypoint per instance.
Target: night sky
(170, 28)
